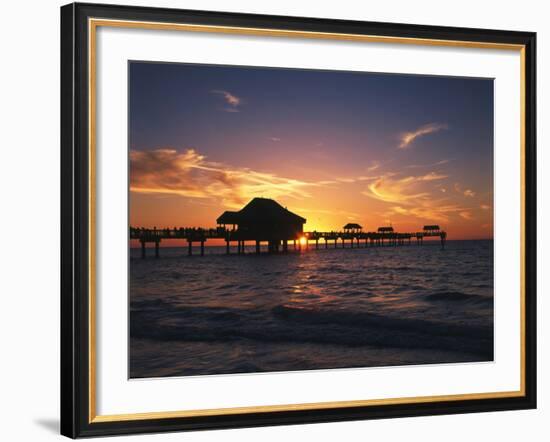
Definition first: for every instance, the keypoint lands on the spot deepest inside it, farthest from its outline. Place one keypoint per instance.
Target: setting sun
(303, 241)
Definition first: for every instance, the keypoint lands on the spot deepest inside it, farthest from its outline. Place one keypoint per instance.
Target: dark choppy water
(316, 310)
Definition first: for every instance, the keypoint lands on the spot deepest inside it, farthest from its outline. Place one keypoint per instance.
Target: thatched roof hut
(264, 219)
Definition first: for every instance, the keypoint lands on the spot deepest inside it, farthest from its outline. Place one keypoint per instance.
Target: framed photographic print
(278, 220)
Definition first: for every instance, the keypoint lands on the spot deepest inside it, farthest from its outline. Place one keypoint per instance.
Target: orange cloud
(190, 174)
(413, 196)
(407, 138)
(400, 190)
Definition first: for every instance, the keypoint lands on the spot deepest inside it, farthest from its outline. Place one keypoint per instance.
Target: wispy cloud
(420, 166)
(275, 139)
(414, 196)
(232, 101)
(400, 190)
(190, 174)
(407, 138)
(374, 166)
(466, 192)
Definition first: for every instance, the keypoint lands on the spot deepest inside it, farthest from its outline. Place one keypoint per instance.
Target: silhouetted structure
(352, 228)
(264, 220)
(431, 228)
(228, 218)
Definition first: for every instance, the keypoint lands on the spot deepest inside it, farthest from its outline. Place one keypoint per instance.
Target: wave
(372, 320)
(460, 297)
(159, 320)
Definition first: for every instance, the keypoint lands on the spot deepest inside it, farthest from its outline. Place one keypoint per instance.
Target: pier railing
(302, 241)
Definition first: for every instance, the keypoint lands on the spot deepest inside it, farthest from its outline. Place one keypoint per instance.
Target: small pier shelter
(352, 228)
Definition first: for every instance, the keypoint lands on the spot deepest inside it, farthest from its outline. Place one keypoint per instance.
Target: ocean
(319, 309)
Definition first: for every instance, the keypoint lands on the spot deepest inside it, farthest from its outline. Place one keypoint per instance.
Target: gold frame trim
(93, 24)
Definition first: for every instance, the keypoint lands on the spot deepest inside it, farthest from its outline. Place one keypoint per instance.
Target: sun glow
(303, 240)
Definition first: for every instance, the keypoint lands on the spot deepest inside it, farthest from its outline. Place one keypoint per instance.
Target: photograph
(277, 218)
(286, 219)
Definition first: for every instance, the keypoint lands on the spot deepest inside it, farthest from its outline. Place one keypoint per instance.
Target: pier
(265, 222)
(235, 241)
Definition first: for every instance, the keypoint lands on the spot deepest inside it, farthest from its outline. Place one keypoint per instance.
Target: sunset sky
(333, 147)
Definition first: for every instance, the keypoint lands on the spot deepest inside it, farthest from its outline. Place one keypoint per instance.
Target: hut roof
(349, 226)
(228, 217)
(432, 227)
(260, 210)
(385, 229)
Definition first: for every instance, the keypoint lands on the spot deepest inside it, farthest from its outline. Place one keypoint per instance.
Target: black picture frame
(75, 221)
